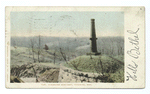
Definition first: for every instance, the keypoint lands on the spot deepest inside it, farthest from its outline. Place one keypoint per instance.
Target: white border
(4, 3)
(134, 18)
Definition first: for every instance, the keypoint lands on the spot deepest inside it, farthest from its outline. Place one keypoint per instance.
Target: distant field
(73, 46)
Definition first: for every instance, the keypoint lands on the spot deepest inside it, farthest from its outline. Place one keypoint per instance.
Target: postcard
(75, 47)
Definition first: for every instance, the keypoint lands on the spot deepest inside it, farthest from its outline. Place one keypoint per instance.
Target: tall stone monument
(93, 39)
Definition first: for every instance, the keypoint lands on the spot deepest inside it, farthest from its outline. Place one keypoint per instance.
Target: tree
(32, 46)
(29, 51)
(35, 73)
(75, 64)
(63, 55)
(39, 49)
(99, 67)
(111, 47)
(54, 56)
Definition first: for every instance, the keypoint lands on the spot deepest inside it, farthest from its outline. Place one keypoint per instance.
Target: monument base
(93, 53)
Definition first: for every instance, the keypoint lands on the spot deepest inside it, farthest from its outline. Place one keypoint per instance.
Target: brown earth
(49, 76)
(34, 71)
(15, 79)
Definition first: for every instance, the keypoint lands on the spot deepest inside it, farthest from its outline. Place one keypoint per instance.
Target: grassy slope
(110, 66)
(21, 56)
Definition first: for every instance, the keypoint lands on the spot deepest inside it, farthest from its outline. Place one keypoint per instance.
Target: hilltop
(110, 66)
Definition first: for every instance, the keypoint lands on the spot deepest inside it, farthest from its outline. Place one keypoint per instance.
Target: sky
(66, 24)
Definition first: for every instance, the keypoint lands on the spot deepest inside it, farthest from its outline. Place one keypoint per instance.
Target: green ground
(112, 67)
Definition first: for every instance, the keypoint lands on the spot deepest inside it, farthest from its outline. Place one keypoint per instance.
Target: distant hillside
(77, 45)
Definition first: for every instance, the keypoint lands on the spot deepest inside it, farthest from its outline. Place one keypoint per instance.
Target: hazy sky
(66, 24)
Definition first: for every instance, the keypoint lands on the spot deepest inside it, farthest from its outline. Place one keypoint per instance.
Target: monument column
(93, 39)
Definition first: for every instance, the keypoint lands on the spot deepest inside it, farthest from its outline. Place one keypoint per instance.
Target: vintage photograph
(66, 47)
(75, 47)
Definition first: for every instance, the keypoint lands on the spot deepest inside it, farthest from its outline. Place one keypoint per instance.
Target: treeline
(105, 45)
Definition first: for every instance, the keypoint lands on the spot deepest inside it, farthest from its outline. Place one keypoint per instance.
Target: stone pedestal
(92, 53)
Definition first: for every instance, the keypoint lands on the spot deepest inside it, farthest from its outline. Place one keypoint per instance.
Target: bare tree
(111, 47)
(54, 56)
(29, 51)
(75, 65)
(32, 46)
(99, 67)
(63, 55)
(35, 73)
(39, 49)
(119, 47)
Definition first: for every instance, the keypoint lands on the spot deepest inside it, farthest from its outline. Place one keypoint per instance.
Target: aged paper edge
(134, 18)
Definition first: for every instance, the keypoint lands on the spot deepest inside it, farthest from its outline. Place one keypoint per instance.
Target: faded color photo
(67, 47)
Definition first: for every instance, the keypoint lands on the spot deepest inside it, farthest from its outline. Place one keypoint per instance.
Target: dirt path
(70, 76)
(29, 80)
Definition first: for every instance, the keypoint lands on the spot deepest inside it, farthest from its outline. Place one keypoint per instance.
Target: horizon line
(66, 36)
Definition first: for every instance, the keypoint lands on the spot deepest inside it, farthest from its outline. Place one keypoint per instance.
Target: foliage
(113, 71)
